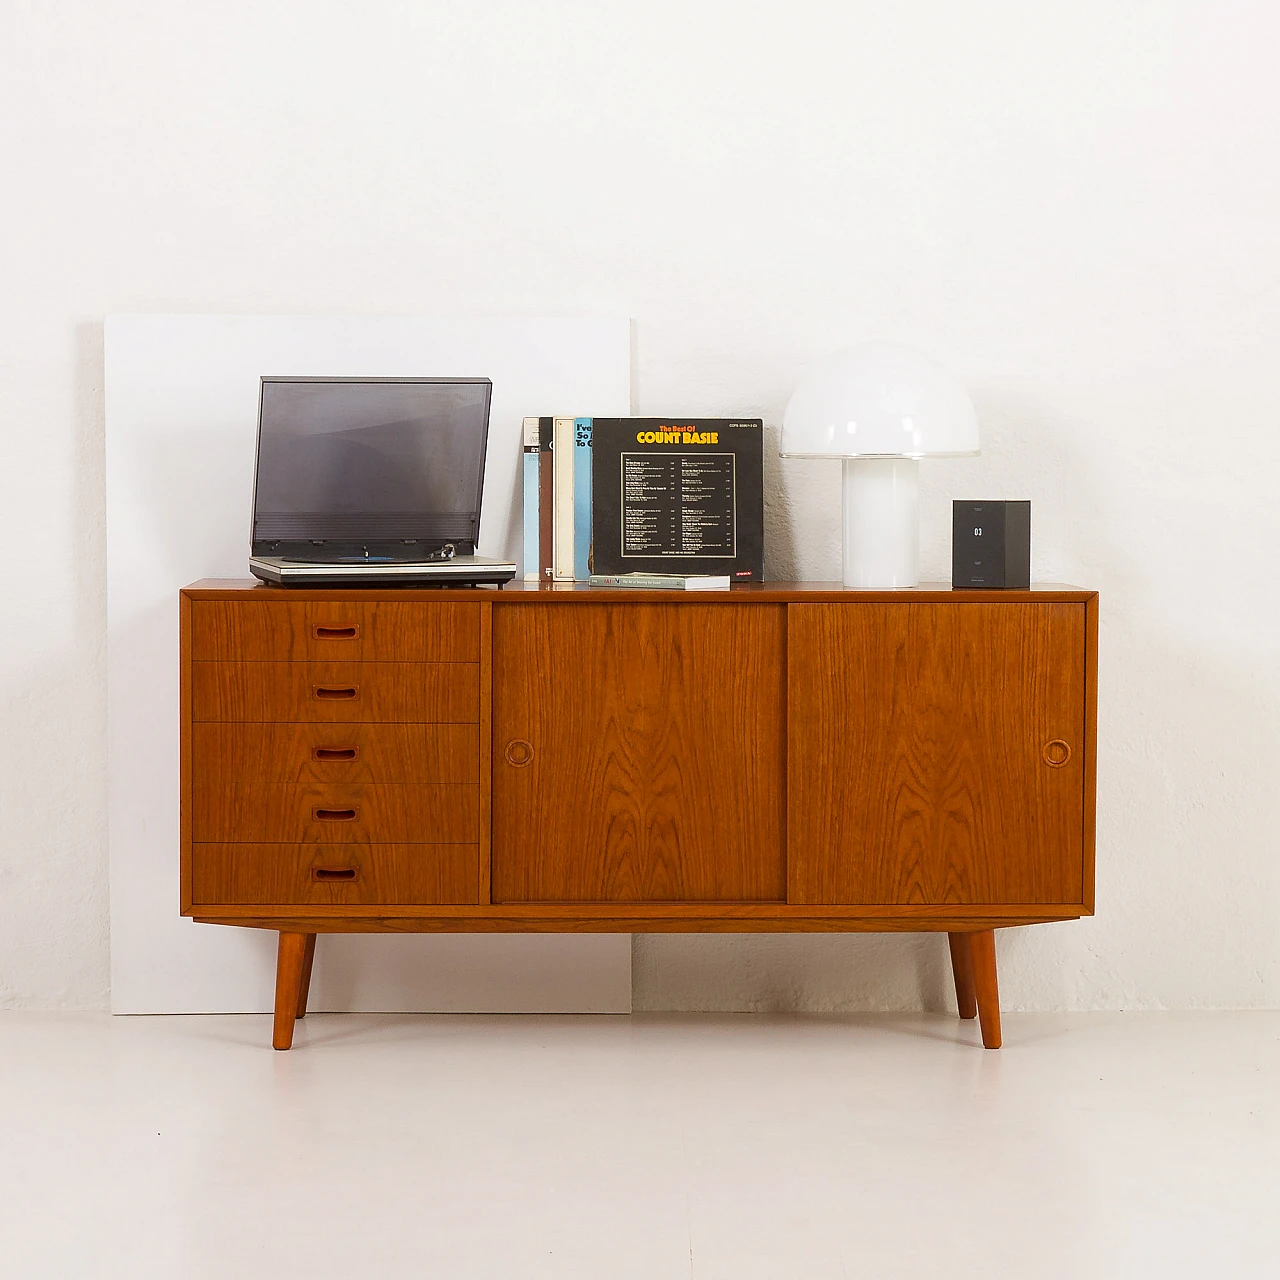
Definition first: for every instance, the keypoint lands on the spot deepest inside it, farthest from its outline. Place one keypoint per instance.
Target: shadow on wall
(779, 973)
(779, 526)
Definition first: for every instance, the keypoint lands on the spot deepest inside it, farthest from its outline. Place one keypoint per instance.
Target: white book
(663, 581)
(562, 500)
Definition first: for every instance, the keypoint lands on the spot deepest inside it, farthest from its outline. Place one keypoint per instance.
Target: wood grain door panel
(333, 813)
(654, 737)
(336, 692)
(398, 875)
(222, 752)
(334, 631)
(917, 753)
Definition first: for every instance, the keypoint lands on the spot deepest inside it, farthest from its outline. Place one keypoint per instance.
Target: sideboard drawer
(338, 813)
(334, 631)
(327, 692)
(224, 752)
(396, 875)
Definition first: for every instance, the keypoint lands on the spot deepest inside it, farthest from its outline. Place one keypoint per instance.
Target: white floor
(653, 1146)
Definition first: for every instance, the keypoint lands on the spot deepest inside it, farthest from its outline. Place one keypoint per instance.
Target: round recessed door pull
(1056, 753)
(519, 753)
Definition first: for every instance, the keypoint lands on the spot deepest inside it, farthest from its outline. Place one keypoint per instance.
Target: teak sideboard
(783, 757)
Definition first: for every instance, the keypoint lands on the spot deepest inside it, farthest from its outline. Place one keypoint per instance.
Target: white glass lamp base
(881, 522)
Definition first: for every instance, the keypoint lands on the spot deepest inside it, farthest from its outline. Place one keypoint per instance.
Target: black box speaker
(991, 544)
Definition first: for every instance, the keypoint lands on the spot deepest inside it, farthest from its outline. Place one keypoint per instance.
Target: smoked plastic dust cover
(392, 462)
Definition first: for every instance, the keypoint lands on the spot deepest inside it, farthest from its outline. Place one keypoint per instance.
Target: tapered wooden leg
(304, 984)
(289, 963)
(982, 950)
(962, 968)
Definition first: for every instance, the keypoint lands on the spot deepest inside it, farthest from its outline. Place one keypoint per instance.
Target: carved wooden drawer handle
(334, 815)
(335, 633)
(333, 873)
(335, 693)
(325, 754)
(1056, 753)
(519, 753)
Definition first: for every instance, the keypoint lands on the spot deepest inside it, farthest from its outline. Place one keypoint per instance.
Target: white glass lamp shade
(879, 400)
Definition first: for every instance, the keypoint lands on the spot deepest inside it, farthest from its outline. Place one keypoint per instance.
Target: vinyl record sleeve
(678, 495)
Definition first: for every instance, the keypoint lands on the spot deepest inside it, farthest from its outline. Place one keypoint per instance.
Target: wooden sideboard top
(519, 592)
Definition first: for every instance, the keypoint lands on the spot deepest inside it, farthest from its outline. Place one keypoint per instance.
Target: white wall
(1074, 203)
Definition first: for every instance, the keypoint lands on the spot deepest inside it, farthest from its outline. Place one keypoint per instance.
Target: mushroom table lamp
(880, 407)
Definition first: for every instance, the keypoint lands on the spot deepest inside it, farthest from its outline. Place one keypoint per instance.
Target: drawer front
(333, 631)
(336, 692)
(395, 875)
(334, 813)
(412, 753)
